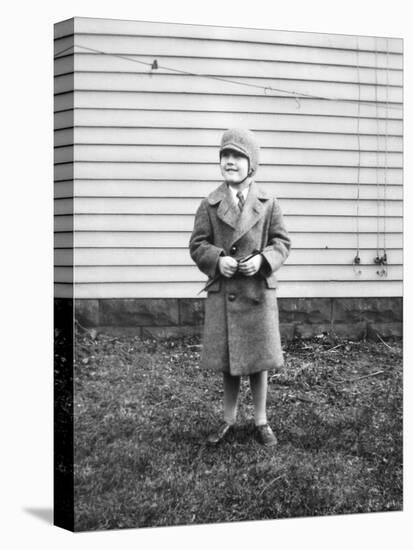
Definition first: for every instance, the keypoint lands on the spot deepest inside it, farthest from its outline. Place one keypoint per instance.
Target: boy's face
(234, 166)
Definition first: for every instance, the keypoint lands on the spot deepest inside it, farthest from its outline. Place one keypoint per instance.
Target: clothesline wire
(385, 153)
(377, 155)
(382, 260)
(296, 95)
(359, 158)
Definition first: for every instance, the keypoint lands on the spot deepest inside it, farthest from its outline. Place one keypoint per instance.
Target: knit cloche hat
(243, 141)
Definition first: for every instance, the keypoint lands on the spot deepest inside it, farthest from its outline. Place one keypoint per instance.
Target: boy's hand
(227, 266)
(250, 267)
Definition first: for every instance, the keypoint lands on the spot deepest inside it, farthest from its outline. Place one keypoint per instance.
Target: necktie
(241, 200)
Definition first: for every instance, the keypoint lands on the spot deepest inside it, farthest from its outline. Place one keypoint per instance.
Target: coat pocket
(271, 281)
(215, 287)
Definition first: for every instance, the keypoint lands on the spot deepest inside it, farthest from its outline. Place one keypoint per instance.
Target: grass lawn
(143, 410)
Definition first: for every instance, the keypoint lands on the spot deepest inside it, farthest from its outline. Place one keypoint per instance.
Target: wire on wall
(265, 89)
(386, 149)
(381, 260)
(357, 260)
(377, 259)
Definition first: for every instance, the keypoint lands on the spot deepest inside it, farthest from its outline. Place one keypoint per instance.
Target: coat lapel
(251, 213)
(227, 211)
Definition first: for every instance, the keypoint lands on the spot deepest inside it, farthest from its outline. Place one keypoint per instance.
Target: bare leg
(231, 391)
(258, 383)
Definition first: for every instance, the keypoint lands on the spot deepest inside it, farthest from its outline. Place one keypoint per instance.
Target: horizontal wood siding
(302, 289)
(164, 274)
(65, 207)
(186, 206)
(178, 256)
(177, 222)
(136, 149)
(148, 188)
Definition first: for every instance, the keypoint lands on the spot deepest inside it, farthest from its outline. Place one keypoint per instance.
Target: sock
(231, 391)
(258, 383)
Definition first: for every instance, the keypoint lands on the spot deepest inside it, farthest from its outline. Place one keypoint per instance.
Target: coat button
(233, 250)
(231, 297)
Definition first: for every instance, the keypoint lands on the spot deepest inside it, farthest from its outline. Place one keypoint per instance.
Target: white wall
(145, 149)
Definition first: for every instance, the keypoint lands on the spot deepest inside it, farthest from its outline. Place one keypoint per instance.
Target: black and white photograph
(228, 241)
(205, 222)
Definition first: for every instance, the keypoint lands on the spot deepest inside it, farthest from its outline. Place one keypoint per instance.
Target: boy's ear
(250, 170)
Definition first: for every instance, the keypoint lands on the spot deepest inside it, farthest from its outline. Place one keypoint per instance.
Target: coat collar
(228, 212)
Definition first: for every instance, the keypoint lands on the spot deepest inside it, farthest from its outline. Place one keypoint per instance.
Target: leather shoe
(223, 431)
(266, 436)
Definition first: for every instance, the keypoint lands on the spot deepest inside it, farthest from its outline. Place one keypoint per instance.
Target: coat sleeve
(202, 250)
(278, 245)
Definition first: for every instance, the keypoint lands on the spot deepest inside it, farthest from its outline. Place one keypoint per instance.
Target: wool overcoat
(241, 331)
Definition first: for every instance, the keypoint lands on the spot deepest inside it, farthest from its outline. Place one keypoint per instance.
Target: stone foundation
(353, 318)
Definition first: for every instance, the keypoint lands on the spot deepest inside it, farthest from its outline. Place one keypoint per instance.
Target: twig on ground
(81, 326)
(361, 377)
(331, 349)
(91, 332)
(199, 454)
(270, 483)
(305, 399)
(381, 339)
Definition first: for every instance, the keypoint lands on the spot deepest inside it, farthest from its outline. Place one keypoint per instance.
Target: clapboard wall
(136, 148)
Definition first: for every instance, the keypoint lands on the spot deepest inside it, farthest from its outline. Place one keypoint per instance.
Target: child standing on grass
(239, 240)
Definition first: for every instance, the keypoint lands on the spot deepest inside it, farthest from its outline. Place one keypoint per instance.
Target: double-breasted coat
(241, 331)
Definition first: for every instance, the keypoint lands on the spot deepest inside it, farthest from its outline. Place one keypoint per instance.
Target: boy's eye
(233, 154)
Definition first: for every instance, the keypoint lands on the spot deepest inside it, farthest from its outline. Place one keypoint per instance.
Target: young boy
(239, 241)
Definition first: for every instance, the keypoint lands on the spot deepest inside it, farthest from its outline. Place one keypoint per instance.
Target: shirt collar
(234, 193)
